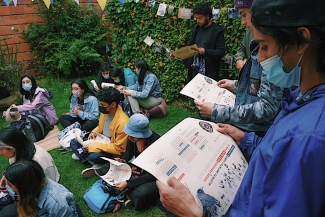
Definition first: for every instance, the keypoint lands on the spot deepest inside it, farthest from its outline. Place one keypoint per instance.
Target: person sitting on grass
(146, 92)
(35, 100)
(141, 189)
(111, 123)
(37, 195)
(15, 146)
(83, 107)
(102, 77)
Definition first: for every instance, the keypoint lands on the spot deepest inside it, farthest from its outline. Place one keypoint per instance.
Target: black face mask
(103, 110)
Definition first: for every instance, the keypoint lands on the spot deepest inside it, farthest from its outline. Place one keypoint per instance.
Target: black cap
(288, 13)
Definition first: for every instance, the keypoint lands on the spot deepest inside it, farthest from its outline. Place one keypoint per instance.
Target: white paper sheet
(107, 85)
(99, 138)
(117, 172)
(209, 163)
(204, 88)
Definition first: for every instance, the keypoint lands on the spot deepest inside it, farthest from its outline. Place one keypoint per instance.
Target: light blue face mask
(106, 77)
(275, 74)
(11, 192)
(117, 80)
(27, 87)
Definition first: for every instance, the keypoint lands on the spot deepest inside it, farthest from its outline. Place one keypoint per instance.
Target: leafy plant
(70, 41)
(10, 68)
(132, 22)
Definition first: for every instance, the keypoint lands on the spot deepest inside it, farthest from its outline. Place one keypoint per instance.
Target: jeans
(92, 157)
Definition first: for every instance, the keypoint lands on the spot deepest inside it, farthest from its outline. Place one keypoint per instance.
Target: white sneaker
(92, 171)
(75, 157)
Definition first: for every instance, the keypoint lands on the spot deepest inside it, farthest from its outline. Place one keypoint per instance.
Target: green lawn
(70, 170)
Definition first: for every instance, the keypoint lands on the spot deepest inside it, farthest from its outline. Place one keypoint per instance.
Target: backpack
(34, 126)
(102, 198)
(68, 128)
(70, 135)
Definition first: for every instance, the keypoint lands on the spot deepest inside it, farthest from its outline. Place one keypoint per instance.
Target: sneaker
(92, 171)
(75, 157)
(129, 204)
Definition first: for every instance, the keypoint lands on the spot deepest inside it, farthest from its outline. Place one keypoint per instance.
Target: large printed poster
(209, 163)
(204, 88)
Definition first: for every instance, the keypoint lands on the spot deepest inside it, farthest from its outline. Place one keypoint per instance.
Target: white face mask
(273, 68)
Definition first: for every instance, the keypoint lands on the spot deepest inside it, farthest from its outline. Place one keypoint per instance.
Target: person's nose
(243, 22)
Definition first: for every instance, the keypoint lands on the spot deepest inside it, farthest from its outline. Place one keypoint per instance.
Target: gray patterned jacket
(257, 100)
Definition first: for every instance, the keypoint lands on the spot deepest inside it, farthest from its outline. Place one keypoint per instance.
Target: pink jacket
(40, 105)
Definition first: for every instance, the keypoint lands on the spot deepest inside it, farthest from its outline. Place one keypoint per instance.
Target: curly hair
(109, 95)
(203, 8)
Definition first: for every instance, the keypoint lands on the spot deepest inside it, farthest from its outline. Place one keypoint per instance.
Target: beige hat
(12, 116)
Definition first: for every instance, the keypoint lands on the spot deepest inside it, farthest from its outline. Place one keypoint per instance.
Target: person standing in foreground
(283, 177)
(257, 100)
(209, 38)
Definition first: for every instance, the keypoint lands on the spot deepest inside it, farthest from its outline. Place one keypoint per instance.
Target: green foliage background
(73, 37)
(70, 40)
(132, 22)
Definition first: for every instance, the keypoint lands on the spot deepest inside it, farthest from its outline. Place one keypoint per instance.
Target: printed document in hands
(99, 138)
(208, 163)
(107, 84)
(204, 88)
(117, 172)
(185, 52)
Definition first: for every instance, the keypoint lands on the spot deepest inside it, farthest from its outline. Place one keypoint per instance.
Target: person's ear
(305, 32)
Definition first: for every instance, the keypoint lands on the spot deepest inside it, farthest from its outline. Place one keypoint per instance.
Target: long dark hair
(144, 70)
(25, 148)
(83, 85)
(117, 72)
(28, 94)
(29, 179)
(289, 36)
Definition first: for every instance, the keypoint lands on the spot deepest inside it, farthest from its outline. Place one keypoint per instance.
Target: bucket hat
(138, 126)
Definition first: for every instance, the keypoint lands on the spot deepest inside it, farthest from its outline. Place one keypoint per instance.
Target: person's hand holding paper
(185, 52)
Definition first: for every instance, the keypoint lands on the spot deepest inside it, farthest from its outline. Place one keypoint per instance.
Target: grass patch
(70, 170)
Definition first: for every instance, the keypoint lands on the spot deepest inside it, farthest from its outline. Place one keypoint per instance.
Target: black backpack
(34, 126)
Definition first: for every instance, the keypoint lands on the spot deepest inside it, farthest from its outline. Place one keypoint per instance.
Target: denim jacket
(150, 87)
(91, 111)
(257, 100)
(56, 201)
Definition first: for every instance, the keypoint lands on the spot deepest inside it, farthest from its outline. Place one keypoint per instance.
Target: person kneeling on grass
(111, 123)
(141, 189)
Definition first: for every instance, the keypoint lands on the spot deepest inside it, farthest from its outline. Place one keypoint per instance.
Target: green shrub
(70, 40)
(132, 22)
(10, 69)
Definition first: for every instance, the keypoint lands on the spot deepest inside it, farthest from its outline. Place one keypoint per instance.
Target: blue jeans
(92, 157)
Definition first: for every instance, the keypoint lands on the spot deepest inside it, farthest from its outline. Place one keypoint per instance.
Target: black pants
(87, 125)
(144, 195)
